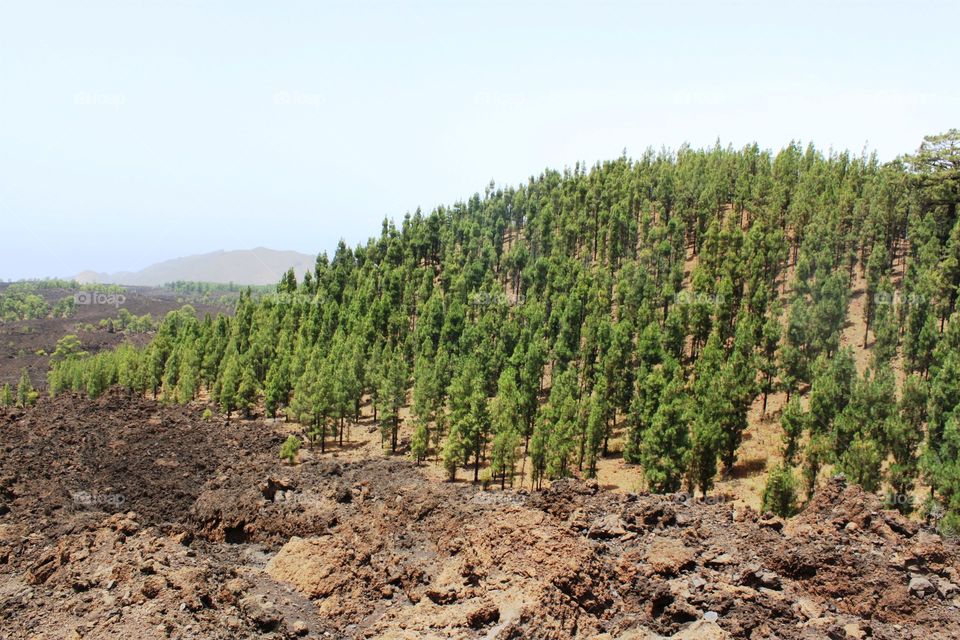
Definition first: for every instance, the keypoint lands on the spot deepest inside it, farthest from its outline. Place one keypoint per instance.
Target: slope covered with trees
(655, 300)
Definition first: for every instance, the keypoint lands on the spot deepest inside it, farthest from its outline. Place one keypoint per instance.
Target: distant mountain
(247, 266)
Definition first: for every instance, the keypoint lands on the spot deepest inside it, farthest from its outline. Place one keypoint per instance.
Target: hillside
(659, 312)
(710, 394)
(654, 333)
(258, 266)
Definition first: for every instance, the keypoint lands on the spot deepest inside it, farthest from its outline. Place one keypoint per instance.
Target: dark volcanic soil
(127, 518)
(26, 344)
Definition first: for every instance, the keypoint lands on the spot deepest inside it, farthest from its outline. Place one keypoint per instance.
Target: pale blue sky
(135, 131)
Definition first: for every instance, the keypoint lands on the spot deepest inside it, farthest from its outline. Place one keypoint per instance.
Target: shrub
(290, 448)
(780, 494)
(26, 396)
(6, 396)
(949, 526)
(418, 444)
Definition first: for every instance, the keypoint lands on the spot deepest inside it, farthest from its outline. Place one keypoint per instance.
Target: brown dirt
(123, 517)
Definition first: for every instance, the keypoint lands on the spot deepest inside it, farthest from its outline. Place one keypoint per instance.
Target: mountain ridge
(257, 266)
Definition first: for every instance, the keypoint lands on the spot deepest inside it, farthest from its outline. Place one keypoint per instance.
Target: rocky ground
(127, 518)
(26, 344)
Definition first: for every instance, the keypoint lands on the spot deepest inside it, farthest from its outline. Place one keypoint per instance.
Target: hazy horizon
(134, 133)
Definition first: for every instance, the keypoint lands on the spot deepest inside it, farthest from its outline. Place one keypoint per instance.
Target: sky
(136, 131)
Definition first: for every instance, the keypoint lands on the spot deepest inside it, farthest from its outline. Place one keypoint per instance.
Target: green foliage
(230, 384)
(506, 417)
(68, 347)
(419, 443)
(6, 396)
(468, 412)
(666, 443)
(780, 492)
(794, 422)
(528, 321)
(453, 452)
(17, 304)
(64, 308)
(26, 396)
(816, 454)
(392, 394)
(861, 462)
(598, 413)
(290, 448)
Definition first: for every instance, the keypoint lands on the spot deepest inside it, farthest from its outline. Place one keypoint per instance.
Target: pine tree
(596, 426)
(230, 383)
(705, 441)
(505, 415)
(426, 405)
(794, 421)
(904, 439)
(189, 378)
(25, 393)
(780, 493)
(769, 344)
(6, 396)
(945, 475)
(886, 329)
(562, 443)
(419, 442)
(290, 448)
(392, 396)
(816, 454)
(944, 397)
(247, 389)
(531, 378)
(861, 462)
(666, 443)
(738, 390)
(277, 387)
(832, 389)
(453, 452)
(538, 449)
(68, 348)
(468, 411)
(875, 268)
(304, 403)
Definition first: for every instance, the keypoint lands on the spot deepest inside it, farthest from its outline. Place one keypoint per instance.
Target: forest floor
(124, 517)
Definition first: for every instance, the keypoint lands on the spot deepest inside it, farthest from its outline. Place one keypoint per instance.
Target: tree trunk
(476, 460)
(393, 435)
